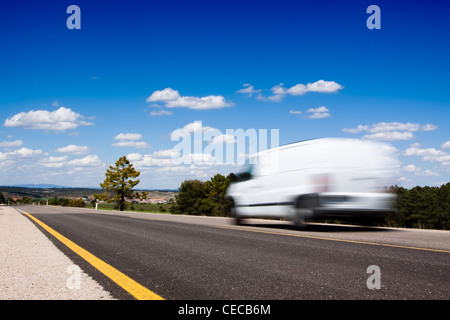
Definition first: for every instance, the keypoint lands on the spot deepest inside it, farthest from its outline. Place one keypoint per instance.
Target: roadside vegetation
(421, 207)
(418, 207)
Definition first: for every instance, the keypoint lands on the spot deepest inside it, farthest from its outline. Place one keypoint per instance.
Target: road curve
(197, 258)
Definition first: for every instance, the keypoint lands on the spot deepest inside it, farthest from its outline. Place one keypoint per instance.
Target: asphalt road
(198, 258)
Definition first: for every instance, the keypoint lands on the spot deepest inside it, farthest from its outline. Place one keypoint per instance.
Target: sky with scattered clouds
(72, 101)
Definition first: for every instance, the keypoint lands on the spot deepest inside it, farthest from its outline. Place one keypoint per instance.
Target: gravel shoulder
(32, 268)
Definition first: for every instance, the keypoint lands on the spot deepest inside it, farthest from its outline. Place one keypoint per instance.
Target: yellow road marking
(135, 289)
(332, 239)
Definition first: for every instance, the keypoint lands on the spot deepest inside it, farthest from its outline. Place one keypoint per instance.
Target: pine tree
(189, 199)
(119, 182)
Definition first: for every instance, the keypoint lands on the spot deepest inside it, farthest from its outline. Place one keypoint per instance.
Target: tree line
(421, 207)
(65, 202)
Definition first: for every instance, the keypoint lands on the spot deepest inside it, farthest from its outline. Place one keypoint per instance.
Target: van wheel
(300, 215)
(304, 208)
(232, 213)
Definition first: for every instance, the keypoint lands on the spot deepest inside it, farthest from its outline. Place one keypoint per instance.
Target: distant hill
(39, 186)
(39, 191)
(52, 191)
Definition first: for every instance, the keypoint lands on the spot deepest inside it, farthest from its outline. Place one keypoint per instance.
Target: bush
(76, 203)
(203, 198)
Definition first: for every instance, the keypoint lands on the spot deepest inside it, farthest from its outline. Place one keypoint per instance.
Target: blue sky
(147, 68)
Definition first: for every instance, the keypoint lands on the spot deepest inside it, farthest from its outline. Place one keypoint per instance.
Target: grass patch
(140, 207)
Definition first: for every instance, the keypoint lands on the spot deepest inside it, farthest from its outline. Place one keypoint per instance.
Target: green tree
(26, 200)
(443, 210)
(53, 201)
(421, 207)
(119, 182)
(215, 202)
(204, 198)
(142, 195)
(2, 198)
(411, 207)
(77, 203)
(396, 218)
(189, 199)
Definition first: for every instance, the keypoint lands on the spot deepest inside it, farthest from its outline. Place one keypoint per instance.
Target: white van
(328, 178)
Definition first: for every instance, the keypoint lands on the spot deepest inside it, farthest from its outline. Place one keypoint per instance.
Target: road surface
(201, 258)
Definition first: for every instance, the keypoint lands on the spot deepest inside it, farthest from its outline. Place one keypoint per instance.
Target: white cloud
(429, 127)
(390, 149)
(414, 151)
(314, 113)
(149, 160)
(411, 168)
(390, 131)
(165, 154)
(88, 161)
(223, 139)
(25, 152)
(162, 169)
(390, 136)
(18, 162)
(273, 98)
(11, 144)
(161, 113)
(132, 144)
(192, 127)
(128, 136)
(441, 158)
(20, 153)
(322, 86)
(203, 103)
(358, 129)
(37, 166)
(172, 99)
(167, 94)
(249, 90)
(430, 173)
(73, 149)
(134, 156)
(318, 113)
(53, 162)
(130, 140)
(394, 126)
(59, 120)
(446, 145)
(429, 155)
(162, 159)
(297, 90)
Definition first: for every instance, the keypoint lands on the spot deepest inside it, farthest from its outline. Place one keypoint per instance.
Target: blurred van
(330, 178)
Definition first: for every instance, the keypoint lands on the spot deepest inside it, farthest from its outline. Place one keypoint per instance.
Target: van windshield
(246, 174)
